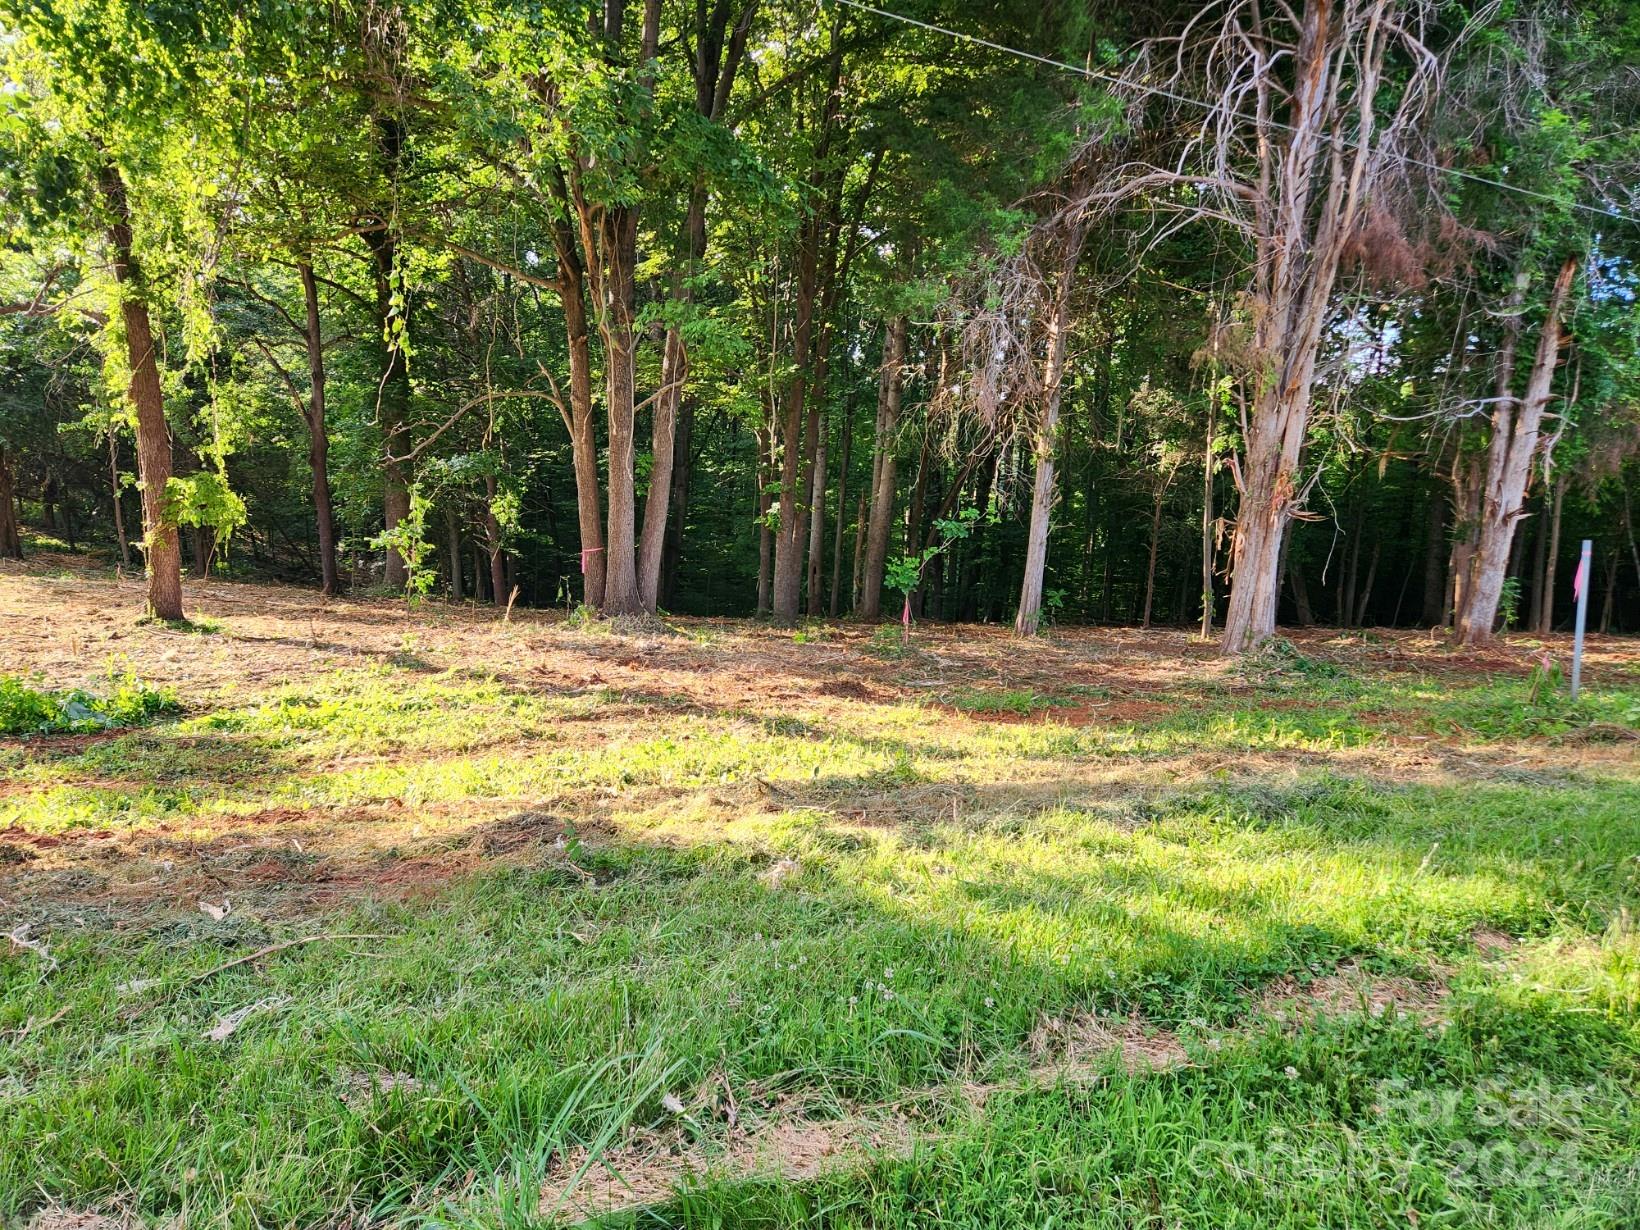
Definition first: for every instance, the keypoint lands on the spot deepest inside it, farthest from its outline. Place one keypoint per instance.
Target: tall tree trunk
(857, 576)
(683, 468)
(718, 52)
(814, 291)
(492, 544)
(114, 492)
(1044, 441)
(162, 553)
(1364, 598)
(1150, 567)
(452, 534)
(1301, 596)
(11, 538)
(480, 574)
(618, 243)
(1261, 521)
(842, 509)
(1303, 235)
(392, 391)
(582, 425)
(663, 433)
(1467, 477)
(1434, 559)
(1540, 547)
(967, 600)
(1515, 446)
(831, 279)
(578, 415)
(200, 540)
(788, 543)
(1608, 606)
(318, 435)
(881, 523)
(608, 235)
(764, 470)
(621, 593)
(1345, 607)
(914, 519)
(1475, 471)
(817, 528)
(1546, 597)
(1208, 599)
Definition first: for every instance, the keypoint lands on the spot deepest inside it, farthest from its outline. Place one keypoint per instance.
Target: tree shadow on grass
(522, 1011)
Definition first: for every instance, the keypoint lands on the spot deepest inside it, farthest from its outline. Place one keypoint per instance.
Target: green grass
(1022, 701)
(945, 885)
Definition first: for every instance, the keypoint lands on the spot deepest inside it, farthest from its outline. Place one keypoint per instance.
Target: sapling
(904, 573)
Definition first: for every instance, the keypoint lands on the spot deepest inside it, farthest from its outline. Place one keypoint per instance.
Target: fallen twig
(279, 947)
(33, 1026)
(136, 1010)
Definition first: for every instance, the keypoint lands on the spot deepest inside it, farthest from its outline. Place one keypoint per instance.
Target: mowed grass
(842, 912)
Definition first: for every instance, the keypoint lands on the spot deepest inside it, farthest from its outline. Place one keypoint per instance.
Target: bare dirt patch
(71, 1219)
(1493, 943)
(360, 1088)
(1084, 1043)
(649, 1170)
(1350, 988)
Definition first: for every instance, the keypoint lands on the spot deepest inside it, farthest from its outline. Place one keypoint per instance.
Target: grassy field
(354, 914)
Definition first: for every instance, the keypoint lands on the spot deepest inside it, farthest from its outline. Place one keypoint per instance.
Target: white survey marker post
(1580, 589)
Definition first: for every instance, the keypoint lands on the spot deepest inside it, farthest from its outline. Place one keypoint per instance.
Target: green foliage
(127, 701)
(584, 618)
(1509, 601)
(409, 539)
(1022, 701)
(204, 499)
(1280, 655)
(904, 573)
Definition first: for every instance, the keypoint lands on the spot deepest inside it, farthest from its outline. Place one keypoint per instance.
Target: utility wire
(1610, 211)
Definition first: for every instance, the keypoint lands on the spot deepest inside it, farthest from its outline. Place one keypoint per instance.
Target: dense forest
(1001, 310)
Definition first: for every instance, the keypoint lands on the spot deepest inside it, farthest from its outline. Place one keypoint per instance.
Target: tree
(103, 104)
(1309, 192)
(1044, 429)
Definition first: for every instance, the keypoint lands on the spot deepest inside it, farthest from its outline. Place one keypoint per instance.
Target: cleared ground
(729, 925)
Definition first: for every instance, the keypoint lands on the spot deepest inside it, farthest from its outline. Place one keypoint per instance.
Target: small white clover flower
(1291, 1072)
(989, 1002)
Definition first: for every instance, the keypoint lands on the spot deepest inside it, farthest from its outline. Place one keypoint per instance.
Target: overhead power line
(1155, 91)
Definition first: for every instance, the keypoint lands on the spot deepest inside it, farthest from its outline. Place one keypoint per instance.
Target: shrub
(27, 710)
